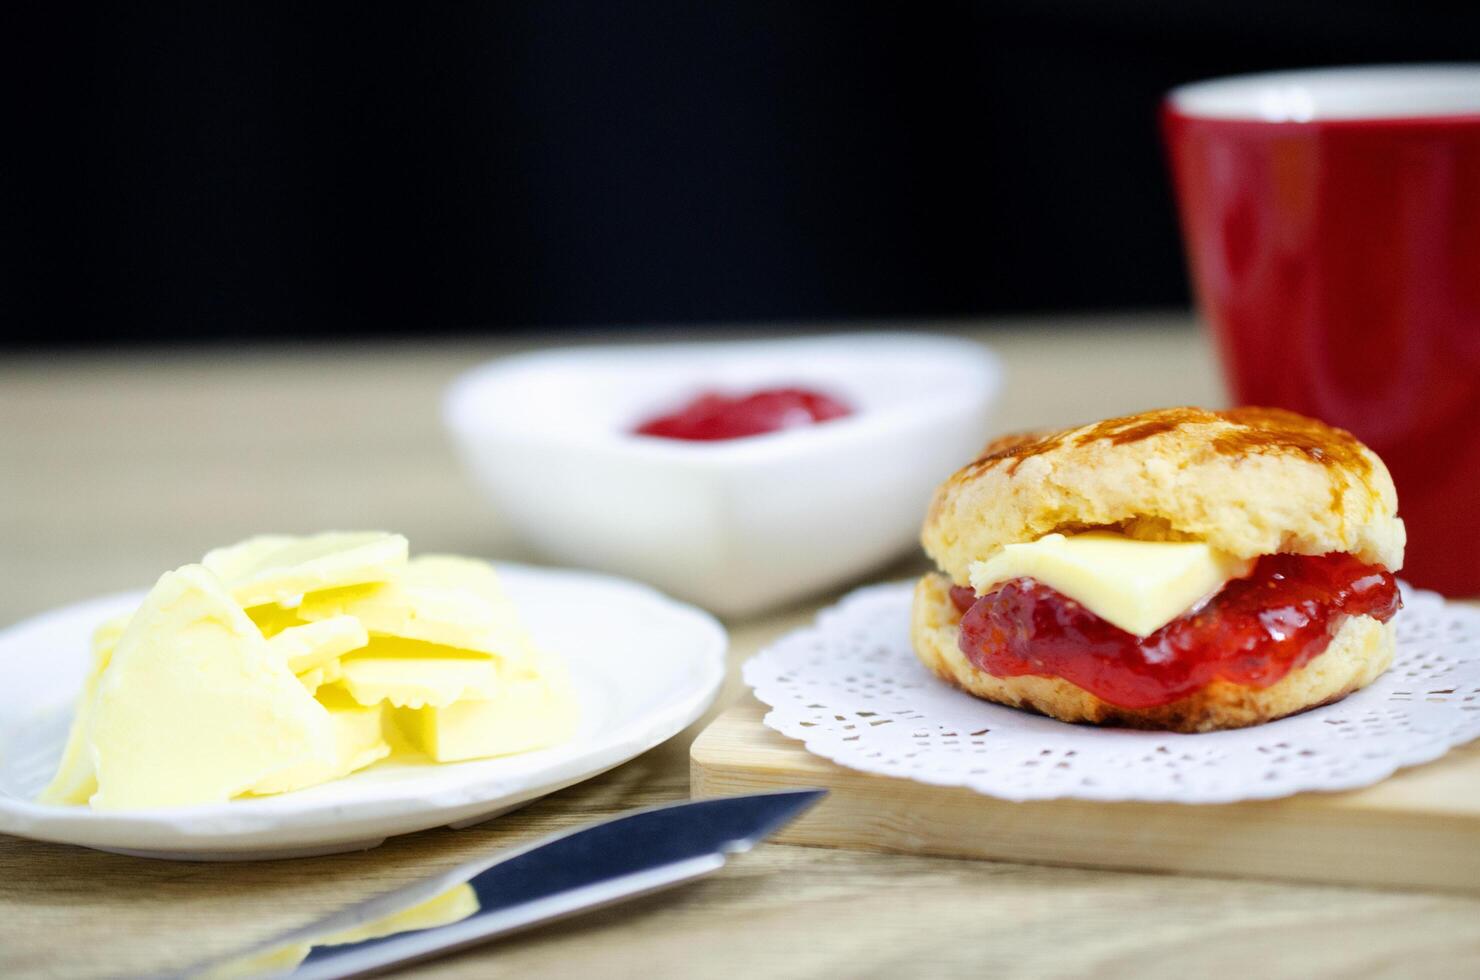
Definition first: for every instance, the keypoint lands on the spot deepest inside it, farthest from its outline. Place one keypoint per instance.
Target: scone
(1180, 569)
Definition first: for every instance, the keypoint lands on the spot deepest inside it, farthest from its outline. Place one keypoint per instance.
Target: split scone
(1180, 569)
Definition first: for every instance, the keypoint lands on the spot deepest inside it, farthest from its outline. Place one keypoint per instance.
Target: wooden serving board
(1418, 829)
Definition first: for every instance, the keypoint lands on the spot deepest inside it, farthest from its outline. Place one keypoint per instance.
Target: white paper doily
(850, 687)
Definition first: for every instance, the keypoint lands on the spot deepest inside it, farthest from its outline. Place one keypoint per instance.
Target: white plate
(645, 667)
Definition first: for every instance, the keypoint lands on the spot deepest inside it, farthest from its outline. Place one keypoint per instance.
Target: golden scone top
(1249, 481)
(1254, 430)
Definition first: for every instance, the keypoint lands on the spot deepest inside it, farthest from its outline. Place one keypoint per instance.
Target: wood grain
(116, 466)
(1415, 830)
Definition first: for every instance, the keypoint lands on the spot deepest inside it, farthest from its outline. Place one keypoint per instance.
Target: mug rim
(1438, 92)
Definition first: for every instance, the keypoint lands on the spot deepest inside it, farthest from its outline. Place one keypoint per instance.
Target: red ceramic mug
(1332, 225)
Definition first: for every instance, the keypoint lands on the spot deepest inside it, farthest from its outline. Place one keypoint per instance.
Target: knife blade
(632, 854)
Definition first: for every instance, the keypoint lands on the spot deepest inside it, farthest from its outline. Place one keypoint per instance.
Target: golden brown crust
(1361, 650)
(1249, 481)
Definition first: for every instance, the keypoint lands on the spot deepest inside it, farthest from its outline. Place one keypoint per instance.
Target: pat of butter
(280, 568)
(273, 619)
(359, 740)
(527, 713)
(316, 678)
(194, 706)
(75, 779)
(439, 599)
(315, 645)
(1139, 586)
(409, 674)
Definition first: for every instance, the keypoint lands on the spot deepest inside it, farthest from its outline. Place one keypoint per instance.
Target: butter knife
(633, 854)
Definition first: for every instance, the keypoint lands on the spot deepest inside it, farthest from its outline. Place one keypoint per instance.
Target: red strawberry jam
(713, 416)
(1253, 632)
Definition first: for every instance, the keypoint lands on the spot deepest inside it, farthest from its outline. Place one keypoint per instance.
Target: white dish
(742, 524)
(645, 667)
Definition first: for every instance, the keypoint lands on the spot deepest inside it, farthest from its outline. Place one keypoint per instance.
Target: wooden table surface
(116, 466)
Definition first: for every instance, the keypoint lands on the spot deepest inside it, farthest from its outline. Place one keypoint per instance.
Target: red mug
(1332, 225)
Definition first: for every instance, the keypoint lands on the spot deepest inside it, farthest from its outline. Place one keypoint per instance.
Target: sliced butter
(317, 677)
(273, 619)
(1139, 586)
(106, 637)
(314, 645)
(359, 740)
(439, 599)
(283, 671)
(527, 713)
(409, 674)
(194, 707)
(279, 568)
(75, 780)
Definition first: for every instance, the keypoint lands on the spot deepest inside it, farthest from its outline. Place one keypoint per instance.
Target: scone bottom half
(1181, 569)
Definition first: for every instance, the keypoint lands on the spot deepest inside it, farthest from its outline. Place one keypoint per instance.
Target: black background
(223, 172)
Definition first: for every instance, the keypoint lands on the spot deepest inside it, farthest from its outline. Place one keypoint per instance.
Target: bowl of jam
(737, 475)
